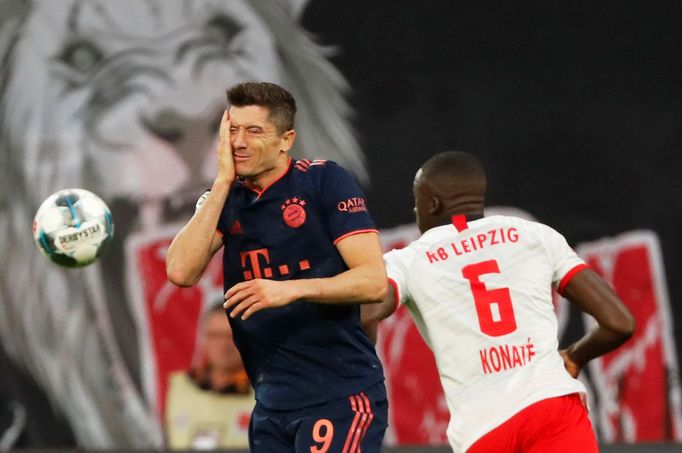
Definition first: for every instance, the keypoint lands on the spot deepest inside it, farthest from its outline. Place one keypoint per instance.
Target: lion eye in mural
(219, 33)
(80, 56)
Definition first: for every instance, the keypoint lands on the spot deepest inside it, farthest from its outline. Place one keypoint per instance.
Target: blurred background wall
(575, 110)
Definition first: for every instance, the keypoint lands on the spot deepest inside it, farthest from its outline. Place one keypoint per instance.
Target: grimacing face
(260, 151)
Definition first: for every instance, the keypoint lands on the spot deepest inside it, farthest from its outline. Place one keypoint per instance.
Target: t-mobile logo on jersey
(256, 264)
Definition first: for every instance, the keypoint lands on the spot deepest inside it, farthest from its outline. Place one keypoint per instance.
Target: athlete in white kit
(479, 290)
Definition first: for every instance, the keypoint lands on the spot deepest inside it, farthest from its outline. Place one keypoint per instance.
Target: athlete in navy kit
(300, 253)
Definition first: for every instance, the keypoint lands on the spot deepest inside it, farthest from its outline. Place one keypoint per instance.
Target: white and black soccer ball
(73, 227)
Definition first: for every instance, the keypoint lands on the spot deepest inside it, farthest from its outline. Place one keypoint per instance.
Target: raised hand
(225, 159)
(571, 366)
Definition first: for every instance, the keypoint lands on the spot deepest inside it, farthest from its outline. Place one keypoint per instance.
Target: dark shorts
(557, 425)
(352, 424)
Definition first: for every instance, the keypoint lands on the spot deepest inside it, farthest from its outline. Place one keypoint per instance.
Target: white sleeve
(564, 261)
(397, 269)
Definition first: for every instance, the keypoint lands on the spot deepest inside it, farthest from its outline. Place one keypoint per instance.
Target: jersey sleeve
(397, 264)
(564, 261)
(343, 204)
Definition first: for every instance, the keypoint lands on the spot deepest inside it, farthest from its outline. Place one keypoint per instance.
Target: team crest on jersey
(293, 212)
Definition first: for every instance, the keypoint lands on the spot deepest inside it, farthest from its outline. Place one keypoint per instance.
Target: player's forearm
(373, 313)
(360, 285)
(596, 343)
(591, 294)
(191, 250)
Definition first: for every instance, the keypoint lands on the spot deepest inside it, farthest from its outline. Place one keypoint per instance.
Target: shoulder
(518, 223)
(404, 255)
(535, 233)
(312, 166)
(325, 176)
(309, 171)
(319, 168)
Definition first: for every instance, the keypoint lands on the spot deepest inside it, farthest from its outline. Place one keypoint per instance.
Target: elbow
(378, 286)
(628, 328)
(179, 276)
(381, 293)
(377, 293)
(625, 327)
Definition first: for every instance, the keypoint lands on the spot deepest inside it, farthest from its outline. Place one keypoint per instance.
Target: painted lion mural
(123, 98)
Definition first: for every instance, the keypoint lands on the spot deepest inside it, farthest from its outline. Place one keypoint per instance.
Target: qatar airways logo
(352, 205)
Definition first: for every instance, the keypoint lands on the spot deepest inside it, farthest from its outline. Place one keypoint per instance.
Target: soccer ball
(73, 227)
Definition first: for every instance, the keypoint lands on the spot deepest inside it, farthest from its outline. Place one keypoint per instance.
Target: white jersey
(480, 294)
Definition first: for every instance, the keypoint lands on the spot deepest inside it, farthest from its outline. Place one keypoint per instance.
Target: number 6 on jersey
(493, 306)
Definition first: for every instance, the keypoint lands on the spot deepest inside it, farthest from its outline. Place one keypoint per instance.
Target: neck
(475, 213)
(446, 219)
(473, 208)
(266, 178)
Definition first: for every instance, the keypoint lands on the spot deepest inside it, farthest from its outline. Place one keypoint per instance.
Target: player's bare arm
(591, 294)
(372, 314)
(364, 282)
(193, 247)
(382, 310)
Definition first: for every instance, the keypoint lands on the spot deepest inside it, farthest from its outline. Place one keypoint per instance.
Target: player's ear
(287, 140)
(435, 206)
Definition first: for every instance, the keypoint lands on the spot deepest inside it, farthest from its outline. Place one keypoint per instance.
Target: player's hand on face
(224, 151)
(571, 366)
(246, 298)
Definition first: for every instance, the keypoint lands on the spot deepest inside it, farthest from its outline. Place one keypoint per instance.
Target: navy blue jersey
(304, 353)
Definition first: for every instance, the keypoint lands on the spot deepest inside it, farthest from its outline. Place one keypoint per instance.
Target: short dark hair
(277, 100)
(454, 163)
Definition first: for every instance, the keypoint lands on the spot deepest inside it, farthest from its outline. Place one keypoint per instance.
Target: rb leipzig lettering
(472, 243)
